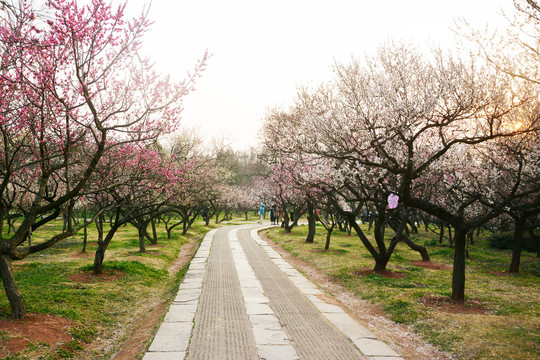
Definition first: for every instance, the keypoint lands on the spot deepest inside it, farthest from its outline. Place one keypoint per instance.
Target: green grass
(504, 325)
(49, 283)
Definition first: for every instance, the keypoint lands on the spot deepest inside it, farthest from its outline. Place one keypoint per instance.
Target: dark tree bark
(16, 301)
(329, 223)
(311, 223)
(382, 255)
(517, 244)
(441, 235)
(103, 243)
(402, 215)
(187, 222)
(85, 233)
(142, 245)
(154, 232)
(458, 274)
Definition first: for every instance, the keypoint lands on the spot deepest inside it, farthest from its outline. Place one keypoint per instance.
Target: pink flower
(393, 200)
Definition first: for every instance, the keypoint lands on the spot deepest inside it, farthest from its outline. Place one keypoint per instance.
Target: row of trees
(81, 112)
(454, 138)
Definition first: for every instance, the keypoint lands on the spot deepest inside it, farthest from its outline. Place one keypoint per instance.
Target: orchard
(398, 140)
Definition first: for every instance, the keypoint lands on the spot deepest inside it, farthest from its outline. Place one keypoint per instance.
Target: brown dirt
(89, 277)
(83, 255)
(431, 265)
(448, 305)
(16, 336)
(398, 336)
(36, 328)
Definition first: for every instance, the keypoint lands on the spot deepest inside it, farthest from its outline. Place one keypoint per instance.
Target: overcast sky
(263, 50)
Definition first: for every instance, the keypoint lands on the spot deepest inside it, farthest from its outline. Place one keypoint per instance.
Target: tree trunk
(450, 238)
(65, 216)
(311, 224)
(421, 249)
(154, 231)
(517, 244)
(382, 256)
(399, 226)
(328, 235)
(16, 301)
(85, 232)
(414, 228)
(142, 246)
(102, 247)
(441, 235)
(99, 257)
(285, 223)
(458, 274)
(153, 240)
(188, 223)
(99, 228)
(11, 224)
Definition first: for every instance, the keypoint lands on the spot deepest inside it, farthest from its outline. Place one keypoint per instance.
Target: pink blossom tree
(73, 87)
(133, 184)
(399, 121)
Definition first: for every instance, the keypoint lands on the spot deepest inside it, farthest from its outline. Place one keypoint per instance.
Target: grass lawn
(501, 316)
(98, 311)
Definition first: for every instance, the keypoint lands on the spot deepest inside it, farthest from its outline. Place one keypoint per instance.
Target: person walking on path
(261, 213)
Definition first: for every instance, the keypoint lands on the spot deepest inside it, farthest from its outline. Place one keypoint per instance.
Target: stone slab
(372, 347)
(179, 313)
(162, 355)
(258, 309)
(269, 337)
(188, 295)
(277, 352)
(349, 326)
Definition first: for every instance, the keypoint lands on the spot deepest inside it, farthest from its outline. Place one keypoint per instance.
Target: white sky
(263, 50)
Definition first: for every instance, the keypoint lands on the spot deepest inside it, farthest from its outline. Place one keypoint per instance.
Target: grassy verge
(501, 315)
(58, 282)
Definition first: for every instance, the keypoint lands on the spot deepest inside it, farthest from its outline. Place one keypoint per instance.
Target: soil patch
(82, 255)
(384, 273)
(36, 328)
(431, 265)
(398, 336)
(448, 305)
(89, 277)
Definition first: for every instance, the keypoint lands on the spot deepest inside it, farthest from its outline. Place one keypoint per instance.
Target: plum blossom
(393, 200)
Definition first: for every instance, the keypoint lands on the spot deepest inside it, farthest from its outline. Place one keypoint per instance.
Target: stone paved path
(241, 300)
